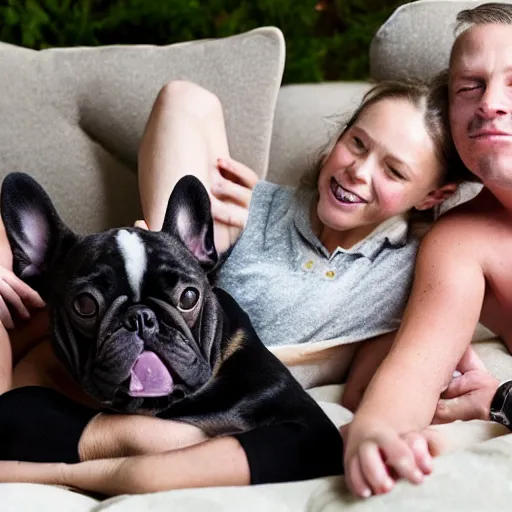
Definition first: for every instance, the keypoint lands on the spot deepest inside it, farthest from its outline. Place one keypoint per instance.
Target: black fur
(224, 379)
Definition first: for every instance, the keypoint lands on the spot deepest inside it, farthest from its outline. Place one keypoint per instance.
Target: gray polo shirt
(296, 292)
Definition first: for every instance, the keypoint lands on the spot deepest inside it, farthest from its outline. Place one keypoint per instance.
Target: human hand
(231, 186)
(17, 295)
(376, 457)
(469, 395)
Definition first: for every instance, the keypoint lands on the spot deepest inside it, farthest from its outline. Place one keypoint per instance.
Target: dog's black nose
(140, 319)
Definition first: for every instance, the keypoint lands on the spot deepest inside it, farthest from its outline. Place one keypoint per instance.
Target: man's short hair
(485, 14)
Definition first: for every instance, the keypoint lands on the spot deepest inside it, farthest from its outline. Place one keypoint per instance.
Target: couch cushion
(73, 117)
(416, 39)
(43, 498)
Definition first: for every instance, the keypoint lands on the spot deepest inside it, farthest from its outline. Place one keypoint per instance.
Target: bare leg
(185, 134)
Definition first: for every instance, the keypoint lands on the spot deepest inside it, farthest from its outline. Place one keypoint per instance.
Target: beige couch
(73, 118)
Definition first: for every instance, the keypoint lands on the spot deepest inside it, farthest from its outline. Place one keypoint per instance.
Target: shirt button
(309, 264)
(330, 274)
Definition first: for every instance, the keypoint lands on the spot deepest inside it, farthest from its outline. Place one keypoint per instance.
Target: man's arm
(438, 324)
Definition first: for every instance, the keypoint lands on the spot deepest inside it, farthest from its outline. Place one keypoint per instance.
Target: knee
(191, 97)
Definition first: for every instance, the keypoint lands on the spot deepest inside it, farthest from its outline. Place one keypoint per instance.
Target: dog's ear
(38, 237)
(189, 217)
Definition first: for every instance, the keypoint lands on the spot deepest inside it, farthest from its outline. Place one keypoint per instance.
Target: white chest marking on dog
(134, 255)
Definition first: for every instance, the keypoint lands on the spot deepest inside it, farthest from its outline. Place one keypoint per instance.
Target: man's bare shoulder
(463, 233)
(465, 223)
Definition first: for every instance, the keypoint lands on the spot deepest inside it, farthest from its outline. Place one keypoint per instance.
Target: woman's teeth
(343, 195)
(347, 197)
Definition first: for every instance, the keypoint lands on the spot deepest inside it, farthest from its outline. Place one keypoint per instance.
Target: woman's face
(383, 165)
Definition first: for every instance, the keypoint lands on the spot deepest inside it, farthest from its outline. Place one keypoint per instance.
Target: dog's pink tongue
(149, 376)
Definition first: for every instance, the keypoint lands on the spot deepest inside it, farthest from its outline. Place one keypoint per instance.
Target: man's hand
(468, 396)
(17, 295)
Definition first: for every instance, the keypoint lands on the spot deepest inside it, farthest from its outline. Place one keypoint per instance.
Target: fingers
(368, 471)
(399, 457)
(29, 296)
(421, 451)
(374, 469)
(5, 315)
(11, 297)
(355, 480)
(223, 188)
(438, 441)
(18, 295)
(243, 174)
(467, 397)
(461, 385)
(229, 214)
(465, 408)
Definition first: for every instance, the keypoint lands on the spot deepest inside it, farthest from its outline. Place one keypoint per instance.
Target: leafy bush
(325, 39)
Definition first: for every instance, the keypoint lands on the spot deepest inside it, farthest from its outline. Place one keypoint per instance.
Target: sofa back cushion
(416, 39)
(73, 117)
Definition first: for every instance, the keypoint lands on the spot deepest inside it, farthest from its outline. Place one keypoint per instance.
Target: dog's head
(134, 317)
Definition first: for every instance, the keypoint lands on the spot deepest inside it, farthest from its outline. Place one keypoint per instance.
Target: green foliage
(325, 39)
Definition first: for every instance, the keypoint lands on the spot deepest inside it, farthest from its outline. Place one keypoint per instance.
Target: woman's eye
(395, 173)
(358, 144)
(188, 299)
(85, 305)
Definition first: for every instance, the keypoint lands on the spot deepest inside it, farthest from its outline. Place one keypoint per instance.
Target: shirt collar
(393, 231)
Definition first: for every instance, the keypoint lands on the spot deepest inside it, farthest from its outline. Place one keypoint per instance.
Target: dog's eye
(188, 299)
(85, 305)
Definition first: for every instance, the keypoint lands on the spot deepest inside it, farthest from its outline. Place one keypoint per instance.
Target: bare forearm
(400, 397)
(406, 388)
(219, 462)
(437, 327)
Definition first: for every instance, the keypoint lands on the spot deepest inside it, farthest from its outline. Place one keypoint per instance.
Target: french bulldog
(137, 322)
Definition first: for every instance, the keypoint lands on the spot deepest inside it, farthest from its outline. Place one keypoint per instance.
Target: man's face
(481, 102)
